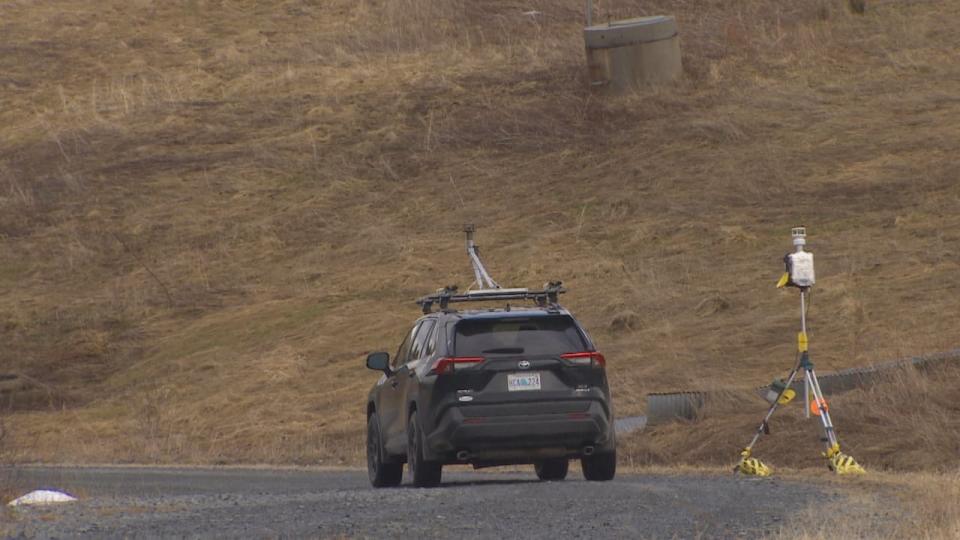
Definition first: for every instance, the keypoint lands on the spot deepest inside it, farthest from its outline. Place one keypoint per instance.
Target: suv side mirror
(379, 361)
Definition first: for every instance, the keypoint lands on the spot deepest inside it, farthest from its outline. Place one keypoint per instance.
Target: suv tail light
(449, 365)
(591, 359)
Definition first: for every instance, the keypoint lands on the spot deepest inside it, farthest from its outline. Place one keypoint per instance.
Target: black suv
(490, 387)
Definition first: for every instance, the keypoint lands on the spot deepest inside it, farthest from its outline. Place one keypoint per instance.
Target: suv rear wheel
(424, 473)
(552, 469)
(381, 474)
(599, 467)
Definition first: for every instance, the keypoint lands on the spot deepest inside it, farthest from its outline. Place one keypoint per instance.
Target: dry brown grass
(209, 211)
(932, 510)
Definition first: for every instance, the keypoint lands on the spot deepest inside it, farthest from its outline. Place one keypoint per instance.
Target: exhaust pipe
(463, 455)
(588, 450)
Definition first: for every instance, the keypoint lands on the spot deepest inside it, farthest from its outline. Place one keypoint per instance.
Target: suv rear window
(518, 335)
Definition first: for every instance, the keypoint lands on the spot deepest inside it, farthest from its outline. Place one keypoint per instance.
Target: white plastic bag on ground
(43, 496)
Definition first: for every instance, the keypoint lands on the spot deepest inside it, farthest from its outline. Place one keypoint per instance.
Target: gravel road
(166, 502)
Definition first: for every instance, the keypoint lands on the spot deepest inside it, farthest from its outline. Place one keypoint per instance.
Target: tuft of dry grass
(210, 212)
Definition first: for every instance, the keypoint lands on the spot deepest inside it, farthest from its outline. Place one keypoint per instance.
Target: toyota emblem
(523, 364)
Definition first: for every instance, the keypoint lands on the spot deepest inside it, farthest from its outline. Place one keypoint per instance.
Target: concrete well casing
(623, 55)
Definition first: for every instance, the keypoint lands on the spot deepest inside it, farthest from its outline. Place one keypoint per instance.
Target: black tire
(381, 474)
(552, 469)
(599, 467)
(424, 473)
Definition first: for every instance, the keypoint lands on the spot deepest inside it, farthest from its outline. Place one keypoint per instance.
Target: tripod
(838, 461)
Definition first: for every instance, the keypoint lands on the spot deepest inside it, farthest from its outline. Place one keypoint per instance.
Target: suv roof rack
(488, 288)
(546, 297)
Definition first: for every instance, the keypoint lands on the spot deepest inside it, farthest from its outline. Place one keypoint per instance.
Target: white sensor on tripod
(800, 262)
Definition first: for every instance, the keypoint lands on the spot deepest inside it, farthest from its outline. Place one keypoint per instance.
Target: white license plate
(523, 381)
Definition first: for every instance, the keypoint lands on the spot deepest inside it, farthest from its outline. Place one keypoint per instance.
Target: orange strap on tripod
(815, 406)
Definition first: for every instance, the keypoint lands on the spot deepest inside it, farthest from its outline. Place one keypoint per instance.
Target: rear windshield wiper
(504, 350)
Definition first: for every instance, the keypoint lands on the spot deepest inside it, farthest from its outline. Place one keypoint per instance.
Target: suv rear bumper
(512, 432)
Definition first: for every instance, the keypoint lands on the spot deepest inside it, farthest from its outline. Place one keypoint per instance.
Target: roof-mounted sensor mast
(488, 289)
(483, 279)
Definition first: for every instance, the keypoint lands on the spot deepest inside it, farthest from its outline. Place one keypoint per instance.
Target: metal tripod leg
(803, 332)
(840, 463)
(829, 433)
(773, 408)
(747, 463)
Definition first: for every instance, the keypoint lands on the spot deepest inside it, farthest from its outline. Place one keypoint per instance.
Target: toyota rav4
(490, 387)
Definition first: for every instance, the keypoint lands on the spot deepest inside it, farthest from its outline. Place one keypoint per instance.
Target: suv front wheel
(424, 473)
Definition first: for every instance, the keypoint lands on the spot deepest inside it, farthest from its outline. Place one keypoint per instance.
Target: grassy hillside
(210, 211)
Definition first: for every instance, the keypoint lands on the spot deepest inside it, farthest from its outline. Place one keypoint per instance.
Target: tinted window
(514, 335)
(419, 343)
